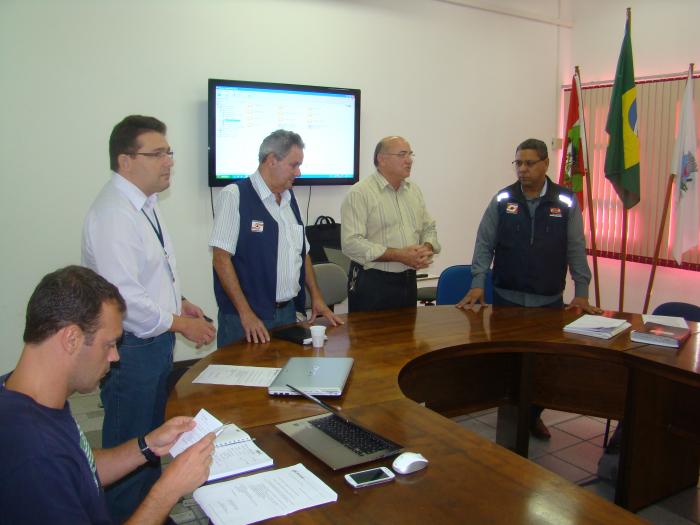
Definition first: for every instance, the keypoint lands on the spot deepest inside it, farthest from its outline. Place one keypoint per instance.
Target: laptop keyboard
(357, 439)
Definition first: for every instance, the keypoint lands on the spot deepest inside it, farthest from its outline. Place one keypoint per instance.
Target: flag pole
(662, 226)
(621, 300)
(589, 193)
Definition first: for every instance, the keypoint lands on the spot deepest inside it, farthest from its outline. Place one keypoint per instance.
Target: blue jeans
(134, 394)
(230, 328)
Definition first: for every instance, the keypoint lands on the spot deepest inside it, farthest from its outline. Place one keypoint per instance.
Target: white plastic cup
(318, 336)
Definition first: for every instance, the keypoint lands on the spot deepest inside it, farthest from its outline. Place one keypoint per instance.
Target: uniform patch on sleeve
(512, 207)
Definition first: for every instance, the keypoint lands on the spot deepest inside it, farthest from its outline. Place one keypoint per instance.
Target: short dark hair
(279, 143)
(536, 144)
(71, 295)
(377, 150)
(123, 139)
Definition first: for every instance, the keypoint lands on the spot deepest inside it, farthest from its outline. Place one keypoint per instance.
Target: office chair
(332, 281)
(337, 257)
(455, 282)
(687, 311)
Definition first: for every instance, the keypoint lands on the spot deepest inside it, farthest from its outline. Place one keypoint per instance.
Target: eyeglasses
(528, 163)
(402, 154)
(160, 155)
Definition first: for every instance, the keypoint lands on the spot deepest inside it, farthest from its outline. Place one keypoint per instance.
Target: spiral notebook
(235, 453)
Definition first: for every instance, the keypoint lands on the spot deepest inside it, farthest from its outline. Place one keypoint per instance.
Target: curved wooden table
(457, 362)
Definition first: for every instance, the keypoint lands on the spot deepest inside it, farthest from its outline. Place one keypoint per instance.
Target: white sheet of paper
(666, 320)
(262, 496)
(205, 423)
(237, 375)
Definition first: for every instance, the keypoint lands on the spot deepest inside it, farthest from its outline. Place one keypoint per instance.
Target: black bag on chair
(325, 232)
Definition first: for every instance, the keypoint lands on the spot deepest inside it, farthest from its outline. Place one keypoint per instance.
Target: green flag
(622, 155)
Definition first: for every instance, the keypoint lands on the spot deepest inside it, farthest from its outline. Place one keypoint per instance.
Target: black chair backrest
(687, 311)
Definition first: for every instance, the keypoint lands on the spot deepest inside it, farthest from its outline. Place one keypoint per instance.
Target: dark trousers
(372, 290)
(535, 410)
(134, 394)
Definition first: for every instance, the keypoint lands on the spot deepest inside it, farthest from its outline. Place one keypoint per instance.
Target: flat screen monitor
(242, 114)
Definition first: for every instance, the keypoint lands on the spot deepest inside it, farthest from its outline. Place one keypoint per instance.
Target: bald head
(393, 158)
(383, 145)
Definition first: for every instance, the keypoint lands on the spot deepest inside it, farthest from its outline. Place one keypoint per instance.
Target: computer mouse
(409, 462)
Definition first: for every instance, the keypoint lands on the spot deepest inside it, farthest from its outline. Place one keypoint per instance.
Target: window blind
(658, 106)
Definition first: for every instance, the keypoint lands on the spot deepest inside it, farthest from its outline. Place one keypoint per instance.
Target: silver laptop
(335, 439)
(320, 376)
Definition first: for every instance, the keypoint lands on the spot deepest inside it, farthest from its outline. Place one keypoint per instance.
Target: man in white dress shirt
(125, 240)
(260, 255)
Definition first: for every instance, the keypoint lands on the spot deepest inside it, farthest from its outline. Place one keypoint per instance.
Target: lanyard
(158, 231)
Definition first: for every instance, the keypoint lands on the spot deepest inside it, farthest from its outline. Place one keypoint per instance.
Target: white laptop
(319, 376)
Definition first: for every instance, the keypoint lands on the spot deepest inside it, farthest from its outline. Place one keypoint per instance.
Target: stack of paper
(597, 326)
(262, 496)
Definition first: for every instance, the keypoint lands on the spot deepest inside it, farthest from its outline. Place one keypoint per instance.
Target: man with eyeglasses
(125, 240)
(387, 232)
(531, 230)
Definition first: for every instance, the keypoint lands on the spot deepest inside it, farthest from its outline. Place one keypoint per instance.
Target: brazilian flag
(622, 155)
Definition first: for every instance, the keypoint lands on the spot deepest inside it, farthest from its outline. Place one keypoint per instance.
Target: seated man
(50, 473)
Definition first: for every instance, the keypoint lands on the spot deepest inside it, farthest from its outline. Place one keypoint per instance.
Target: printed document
(262, 496)
(237, 375)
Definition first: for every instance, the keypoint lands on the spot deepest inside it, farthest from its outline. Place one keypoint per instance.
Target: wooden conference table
(455, 362)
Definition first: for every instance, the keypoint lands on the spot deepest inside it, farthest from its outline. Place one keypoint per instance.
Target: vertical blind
(658, 109)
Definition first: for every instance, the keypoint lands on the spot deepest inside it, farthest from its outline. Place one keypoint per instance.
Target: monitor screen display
(242, 114)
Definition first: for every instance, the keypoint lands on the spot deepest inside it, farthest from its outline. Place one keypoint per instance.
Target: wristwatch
(147, 452)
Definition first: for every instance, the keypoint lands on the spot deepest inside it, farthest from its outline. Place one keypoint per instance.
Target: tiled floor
(573, 453)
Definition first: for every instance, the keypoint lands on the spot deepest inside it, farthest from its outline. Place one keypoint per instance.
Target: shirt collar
(264, 192)
(132, 192)
(382, 183)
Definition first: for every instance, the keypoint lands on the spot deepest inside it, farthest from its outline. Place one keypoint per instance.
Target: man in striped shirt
(387, 232)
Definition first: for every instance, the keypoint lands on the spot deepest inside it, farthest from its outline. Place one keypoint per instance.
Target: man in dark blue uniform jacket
(532, 230)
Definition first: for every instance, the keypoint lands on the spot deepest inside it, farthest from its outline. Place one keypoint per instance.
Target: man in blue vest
(260, 259)
(532, 230)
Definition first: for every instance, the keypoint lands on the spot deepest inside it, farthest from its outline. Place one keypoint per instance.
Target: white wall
(464, 85)
(664, 40)
(457, 82)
